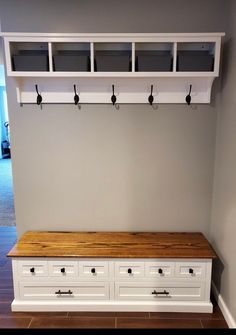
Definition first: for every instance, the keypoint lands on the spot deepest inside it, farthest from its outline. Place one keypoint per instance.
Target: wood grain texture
(113, 245)
(157, 323)
(14, 322)
(76, 322)
(213, 324)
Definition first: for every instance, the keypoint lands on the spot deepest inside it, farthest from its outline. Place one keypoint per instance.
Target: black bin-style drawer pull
(129, 271)
(160, 292)
(66, 292)
(32, 270)
(160, 271)
(191, 271)
(93, 270)
(63, 270)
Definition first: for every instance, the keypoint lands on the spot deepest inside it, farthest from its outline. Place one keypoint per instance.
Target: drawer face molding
(32, 268)
(129, 269)
(59, 291)
(92, 270)
(190, 270)
(156, 291)
(159, 269)
(63, 269)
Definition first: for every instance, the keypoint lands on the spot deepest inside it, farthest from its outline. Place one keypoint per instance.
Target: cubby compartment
(112, 57)
(137, 68)
(154, 57)
(71, 57)
(197, 57)
(27, 56)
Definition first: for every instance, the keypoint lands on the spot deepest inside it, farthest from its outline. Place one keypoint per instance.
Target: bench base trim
(110, 306)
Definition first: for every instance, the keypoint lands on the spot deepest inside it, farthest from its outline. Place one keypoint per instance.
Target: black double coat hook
(76, 97)
(151, 98)
(188, 97)
(39, 96)
(113, 97)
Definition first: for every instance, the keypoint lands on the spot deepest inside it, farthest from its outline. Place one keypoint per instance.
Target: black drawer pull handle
(162, 292)
(93, 270)
(160, 271)
(190, 271)
(32, 270)
(129, 271)
(63, 270)
(61, 292)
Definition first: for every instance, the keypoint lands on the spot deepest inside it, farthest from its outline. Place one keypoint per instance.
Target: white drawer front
(190, 270)
(32, 268)
(67, 291)
(160, 292)
(63, 269)
(93, 270)
(159, 269)
(129, 270)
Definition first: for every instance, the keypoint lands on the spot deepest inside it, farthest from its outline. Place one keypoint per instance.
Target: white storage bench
(70, 271)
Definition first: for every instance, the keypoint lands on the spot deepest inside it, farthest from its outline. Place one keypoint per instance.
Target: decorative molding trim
(164, 35)
(111, 306)
(224, 309)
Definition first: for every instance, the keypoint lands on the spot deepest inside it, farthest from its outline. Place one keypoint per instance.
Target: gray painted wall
(136, 168)
(113, 16)
(1, 53)
(223, 227)
(102, 169)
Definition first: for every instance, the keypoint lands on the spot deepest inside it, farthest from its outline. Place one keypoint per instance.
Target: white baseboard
(108, 306)
(224, 309)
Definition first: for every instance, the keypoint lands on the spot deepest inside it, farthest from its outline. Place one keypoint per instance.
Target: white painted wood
(122, 98)
(112, 291)
(92, 57)
(174, 291)
(111, 269)
(217, 57)
(55, 268)
(116, 285)
(82, 75)
(50, 57)
(175, 57)
(174, 92)
(224, 308)
(182, 270)
(40, 268)
(49, 291)
(152, 269)
(112, 306)
(128, 36)
(100, 267)
(15, 278)
(133, 57)
(8, 57)
(128, 90)
(208, 264)
(122, 269)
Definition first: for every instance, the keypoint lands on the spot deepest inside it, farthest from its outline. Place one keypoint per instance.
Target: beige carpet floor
(7, 210)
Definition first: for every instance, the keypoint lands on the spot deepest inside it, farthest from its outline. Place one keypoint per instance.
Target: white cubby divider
(92, 57)
(132, 86)
(50, 57)
(133, 57)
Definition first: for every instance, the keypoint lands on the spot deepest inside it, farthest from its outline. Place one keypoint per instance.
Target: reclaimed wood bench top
(113, 245)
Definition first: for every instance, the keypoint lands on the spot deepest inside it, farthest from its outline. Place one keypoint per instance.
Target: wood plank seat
(113, 245)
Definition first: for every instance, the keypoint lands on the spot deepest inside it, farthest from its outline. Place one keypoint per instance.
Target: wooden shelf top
(113, 245)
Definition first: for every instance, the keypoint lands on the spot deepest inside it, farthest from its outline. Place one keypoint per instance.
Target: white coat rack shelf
(164, 65)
